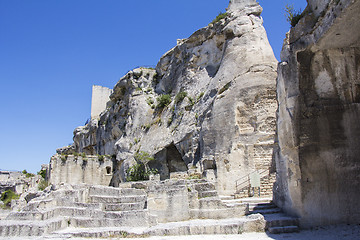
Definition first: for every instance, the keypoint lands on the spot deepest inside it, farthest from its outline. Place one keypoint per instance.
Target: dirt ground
(339, 232)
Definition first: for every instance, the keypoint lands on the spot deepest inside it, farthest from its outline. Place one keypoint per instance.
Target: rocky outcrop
(208, 107)
(318, 90)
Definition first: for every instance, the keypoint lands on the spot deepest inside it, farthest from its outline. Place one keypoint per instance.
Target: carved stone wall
(318, 164)
(74, 169)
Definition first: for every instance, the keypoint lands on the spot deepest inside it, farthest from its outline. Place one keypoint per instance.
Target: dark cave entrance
(168, 160)
(174, 160)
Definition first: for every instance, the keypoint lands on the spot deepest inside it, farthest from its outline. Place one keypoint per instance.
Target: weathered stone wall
(73, 169)
(266, 187)
(318, 165)
(99, 98)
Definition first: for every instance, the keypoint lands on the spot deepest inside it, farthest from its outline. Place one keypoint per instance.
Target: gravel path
(339, 232)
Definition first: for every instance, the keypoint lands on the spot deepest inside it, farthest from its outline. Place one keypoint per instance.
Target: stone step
(191, 227)
(210, 203)
(205, 194)
(205, 186)
(111, 191)
(266, 211)
(261, 206)
(220, 213)
(123, 199)
(255, 200)
(80, 205)
(12, 228)
(282, 222)
(25, 215)
(124, 206)
(74, 211)
(128, 220)
(227, 197)
(285, 229)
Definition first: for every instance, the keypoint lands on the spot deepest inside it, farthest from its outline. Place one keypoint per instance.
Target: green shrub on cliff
(43, 184)
(163, 101)
(219, 17)
(7, 196)
(42, 173)
(138, 172)
(27, 174)
(292, 16)
(180, 97)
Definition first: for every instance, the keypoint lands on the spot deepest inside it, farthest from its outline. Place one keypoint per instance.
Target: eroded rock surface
(220, 122)
(318, 165)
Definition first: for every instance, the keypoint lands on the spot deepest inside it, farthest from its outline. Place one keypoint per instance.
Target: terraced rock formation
(144, 208)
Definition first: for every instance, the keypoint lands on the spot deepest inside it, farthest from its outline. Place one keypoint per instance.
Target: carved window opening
(108, 170)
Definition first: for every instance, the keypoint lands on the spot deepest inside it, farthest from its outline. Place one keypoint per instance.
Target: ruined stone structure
(80, 169)
(171, 207)
(17, 181)
(318, 165)
(208, 111)
(99, 98)
(219, 121)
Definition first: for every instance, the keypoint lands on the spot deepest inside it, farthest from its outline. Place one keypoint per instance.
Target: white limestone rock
(226, 123)
(318, 134)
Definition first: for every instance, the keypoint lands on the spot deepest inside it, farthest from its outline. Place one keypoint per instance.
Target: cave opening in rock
(174, 159)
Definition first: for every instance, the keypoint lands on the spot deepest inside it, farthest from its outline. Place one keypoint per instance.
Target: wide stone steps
(204, 194)
(276, 221)
(191, 227)
(221, 213)
(124, 206)
(138, 219)
(93, 208)
(112, 199)
(205, 186)
(108, 191)
(10, 228)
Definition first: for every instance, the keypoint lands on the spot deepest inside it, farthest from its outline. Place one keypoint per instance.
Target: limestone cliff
(219, 117)
(319, 113)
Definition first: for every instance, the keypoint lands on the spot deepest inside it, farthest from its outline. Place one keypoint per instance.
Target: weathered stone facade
(318, 165)
(99, 98)
(81, 169)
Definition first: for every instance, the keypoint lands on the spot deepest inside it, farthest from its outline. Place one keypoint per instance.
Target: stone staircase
(276, 221)
(210, 205)
(83, 207)
(173, 207)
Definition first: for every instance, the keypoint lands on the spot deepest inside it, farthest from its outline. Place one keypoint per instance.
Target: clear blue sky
(52, 52)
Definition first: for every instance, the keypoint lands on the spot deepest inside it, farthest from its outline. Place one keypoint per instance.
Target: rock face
(219, 117)
(318, 165)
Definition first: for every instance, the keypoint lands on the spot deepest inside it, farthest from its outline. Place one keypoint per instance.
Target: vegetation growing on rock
(293, 16)
(7, 196)
(180, 97)
(27, 174)
(220, 16)
(163, 101)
